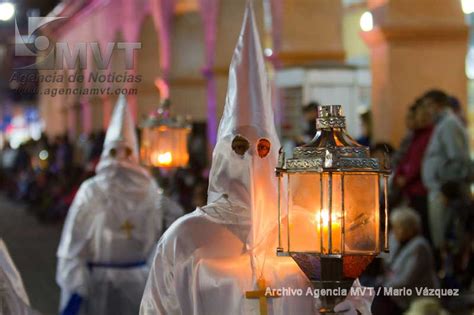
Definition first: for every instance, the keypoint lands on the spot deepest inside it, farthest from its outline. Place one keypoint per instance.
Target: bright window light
(467, 6)
(7, 10)
(470, 64)
(366, 21)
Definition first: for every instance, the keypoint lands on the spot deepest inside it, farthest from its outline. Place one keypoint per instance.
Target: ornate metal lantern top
(162, 118)
(332, 149)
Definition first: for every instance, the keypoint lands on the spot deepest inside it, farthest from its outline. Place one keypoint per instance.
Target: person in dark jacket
(408, 172)
(455, 252)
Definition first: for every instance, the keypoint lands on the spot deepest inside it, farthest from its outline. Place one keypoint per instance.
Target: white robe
(202, 267)
(13, 297)
(98, 259)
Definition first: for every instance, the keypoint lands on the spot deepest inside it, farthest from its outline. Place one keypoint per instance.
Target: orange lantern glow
(329, 197)
(164, 140)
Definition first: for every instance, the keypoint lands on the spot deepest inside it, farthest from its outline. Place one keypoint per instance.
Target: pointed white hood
(246, 183)
(120, 135)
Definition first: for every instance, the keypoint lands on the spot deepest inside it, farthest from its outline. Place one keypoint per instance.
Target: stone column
(414, 46)
(53, 109)
(187, 85)
(307, 31)
(107, 109)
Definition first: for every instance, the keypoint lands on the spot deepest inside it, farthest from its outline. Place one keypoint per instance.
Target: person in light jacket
(446, 159)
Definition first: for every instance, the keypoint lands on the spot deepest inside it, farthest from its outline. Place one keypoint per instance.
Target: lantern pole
(321, 203)
(288, 213)
(385, 192)
(343, 214)
(330, 212)
(279, 212)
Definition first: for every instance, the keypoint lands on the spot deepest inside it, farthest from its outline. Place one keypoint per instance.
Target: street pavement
(33, 248)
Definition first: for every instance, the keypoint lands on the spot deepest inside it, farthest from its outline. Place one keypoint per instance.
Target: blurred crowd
(432, 176)
(431, 206)
(430, 203)
(47, 173)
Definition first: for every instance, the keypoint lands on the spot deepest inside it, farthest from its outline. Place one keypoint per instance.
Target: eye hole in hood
(263, 147)
(240, 145)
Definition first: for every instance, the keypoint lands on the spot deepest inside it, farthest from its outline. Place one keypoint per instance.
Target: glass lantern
(164, 139)
(330, 193)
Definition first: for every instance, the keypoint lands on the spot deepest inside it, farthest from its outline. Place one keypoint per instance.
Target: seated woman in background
(410, 266)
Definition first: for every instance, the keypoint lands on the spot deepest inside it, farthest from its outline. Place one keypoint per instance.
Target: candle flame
(323, 216)
(163, 159)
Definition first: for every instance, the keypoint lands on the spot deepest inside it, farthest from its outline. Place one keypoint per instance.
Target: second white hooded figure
(207, 260)
(111, 228)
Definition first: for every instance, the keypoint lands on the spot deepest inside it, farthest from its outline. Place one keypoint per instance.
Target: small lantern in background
(329, 220)
(164, 139)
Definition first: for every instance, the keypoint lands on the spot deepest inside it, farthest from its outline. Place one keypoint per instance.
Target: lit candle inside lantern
(322, 217)
(162, 159)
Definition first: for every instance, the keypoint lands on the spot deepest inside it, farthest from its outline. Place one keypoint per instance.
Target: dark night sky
(23, 9)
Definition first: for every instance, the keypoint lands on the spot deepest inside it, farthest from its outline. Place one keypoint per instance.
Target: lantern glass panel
(303, 201)
(309, 219)
(145, 146)
(165, 147)
(361, 200)
(330, 214)
(283, 212)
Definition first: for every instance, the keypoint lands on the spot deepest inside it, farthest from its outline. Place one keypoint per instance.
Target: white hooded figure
(13, 297)
(111, 229)
(207, 260)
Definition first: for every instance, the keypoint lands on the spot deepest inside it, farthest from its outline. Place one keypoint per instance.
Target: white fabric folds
(13, 297)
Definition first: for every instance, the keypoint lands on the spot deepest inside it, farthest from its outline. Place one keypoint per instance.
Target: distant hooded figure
(111, 228)
(208, 261)
(13, 297)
